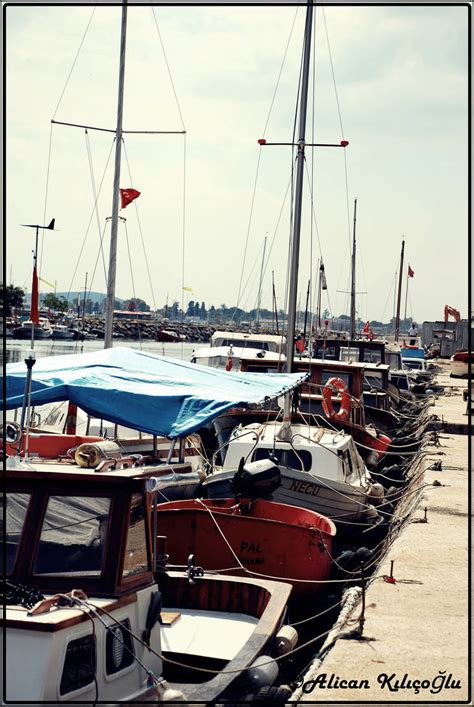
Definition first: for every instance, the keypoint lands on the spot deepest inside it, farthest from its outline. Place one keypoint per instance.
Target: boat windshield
(73, 536)
(246, 344)
(16, 505)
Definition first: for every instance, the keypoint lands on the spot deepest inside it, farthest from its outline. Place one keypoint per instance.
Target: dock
(415, 639)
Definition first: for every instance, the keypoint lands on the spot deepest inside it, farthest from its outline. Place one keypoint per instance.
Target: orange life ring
(336, 384)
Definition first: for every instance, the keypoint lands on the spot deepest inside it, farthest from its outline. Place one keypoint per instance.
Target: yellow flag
(187, 289)
(47, 283)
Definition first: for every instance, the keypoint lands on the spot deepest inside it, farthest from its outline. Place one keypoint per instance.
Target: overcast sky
(401, 75)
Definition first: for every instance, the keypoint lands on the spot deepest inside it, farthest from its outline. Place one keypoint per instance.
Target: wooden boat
(262, 538)
(91, 613)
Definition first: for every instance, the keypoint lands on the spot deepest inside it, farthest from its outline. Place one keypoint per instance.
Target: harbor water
(17, 349)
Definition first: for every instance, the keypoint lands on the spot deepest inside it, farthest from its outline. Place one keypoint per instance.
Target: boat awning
(141, 390)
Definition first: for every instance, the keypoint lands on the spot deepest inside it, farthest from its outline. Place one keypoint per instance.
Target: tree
(175, 310)
(12, 298)
(135, 304)
(57, 304)
(190, 309)
(203, 312)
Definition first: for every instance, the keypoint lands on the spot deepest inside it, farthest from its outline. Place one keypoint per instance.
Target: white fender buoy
(263, 671)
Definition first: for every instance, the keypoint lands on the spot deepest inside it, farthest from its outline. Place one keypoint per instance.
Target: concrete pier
(415, 640)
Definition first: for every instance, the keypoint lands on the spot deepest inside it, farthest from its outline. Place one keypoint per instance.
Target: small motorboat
(62, 332)
(321, 469)
(255, 536)
(91, 612)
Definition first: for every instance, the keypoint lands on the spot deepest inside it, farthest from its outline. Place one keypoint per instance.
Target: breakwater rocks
(151, 330)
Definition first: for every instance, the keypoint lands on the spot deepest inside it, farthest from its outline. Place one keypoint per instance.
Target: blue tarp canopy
(137, 389)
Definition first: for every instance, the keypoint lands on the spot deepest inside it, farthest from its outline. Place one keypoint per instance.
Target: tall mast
(353, 282)
(295, 237)
(300, 159)
(259, 299)
(109, 311)
(399, 296)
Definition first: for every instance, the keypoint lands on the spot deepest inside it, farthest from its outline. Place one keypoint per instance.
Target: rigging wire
(45, 197)
(260, 155)
(74, 62)
(89, 224)
(140, 230)
(94, 192)
(167, 65)
(346, 178)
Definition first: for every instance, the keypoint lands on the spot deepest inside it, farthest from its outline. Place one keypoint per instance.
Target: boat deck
(206, 633)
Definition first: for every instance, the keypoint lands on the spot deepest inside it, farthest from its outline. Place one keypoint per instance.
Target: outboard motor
(256, 479)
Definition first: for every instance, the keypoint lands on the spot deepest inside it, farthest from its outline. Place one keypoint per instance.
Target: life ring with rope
(336, 384)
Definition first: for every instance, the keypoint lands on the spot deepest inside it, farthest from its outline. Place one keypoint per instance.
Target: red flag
(34, 312)
(410, 272)
(366, 327)
(127, 196)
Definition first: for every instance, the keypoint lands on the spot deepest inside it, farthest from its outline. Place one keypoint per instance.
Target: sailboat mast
(300, 159)
(353, 281)
(259, 299)
(399, 296)
(109, 311)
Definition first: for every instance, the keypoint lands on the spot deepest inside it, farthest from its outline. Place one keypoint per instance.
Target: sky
(392, 80)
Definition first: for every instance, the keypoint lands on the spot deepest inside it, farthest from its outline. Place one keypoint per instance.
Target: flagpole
(353, 281)
(406, 293)
(109, 311)
(399, 297)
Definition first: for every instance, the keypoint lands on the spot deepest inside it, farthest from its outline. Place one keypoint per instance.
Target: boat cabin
(265, 342)
(320, 371)
(229, 357)
(349, 350)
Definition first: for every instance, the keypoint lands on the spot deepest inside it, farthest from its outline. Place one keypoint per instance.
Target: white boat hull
(333, 499)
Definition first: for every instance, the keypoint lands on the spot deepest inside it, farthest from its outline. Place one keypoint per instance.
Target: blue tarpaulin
(141, 390)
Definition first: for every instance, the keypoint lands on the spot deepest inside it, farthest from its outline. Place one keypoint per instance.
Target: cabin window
(329, 352)
(79, 664)
(373, 381)
(246, 344)
(346, 377)
(16, 506)
(300, 460)
(372, 356)
(136, 556)
(73, 536)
